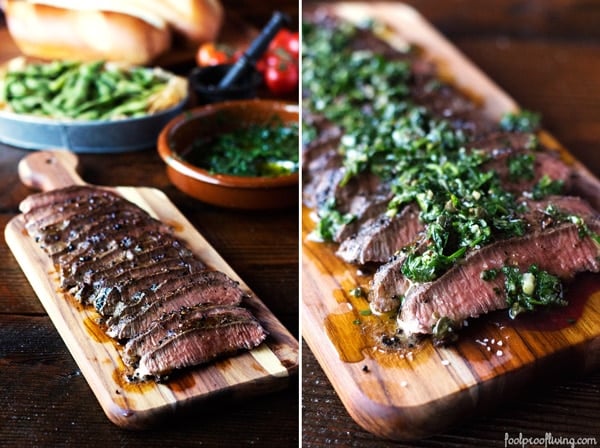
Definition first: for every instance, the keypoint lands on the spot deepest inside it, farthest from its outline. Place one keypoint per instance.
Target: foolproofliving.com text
(548, 440)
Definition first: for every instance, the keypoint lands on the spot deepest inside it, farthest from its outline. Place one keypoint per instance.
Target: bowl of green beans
(92, 107)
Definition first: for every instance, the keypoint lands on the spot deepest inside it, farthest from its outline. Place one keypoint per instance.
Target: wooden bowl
(241, 192)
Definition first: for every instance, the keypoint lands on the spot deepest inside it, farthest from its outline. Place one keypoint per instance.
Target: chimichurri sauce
(256, 150)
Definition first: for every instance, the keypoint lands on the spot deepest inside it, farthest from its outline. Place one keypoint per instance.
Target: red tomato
(274, 57)
(287, 40)
(211, 53)
(282, 78)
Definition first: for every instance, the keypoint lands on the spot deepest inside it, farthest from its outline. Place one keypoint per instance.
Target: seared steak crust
(148, 286)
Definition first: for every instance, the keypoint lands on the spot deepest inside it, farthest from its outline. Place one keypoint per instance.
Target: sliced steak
(321, 188)
(461, 293)
(389, 285)
(498, 143)
(144, 282)
(65, 229)
(544, 164)
(110, 298)
(69, 230)
(105, 285)
(200, 341)
(160, 330)
(105, 230)
(63, 196)
(364, 209)
(87, 268)
(216, 289)
(130, 305)
(131, 260)
(378, 240)
(320, 159)
(126, 238)
(56, 214)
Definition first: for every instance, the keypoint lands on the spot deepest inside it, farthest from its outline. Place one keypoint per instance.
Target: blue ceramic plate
(101, 136)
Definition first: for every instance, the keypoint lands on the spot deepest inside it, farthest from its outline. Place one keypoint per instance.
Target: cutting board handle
(48, 170)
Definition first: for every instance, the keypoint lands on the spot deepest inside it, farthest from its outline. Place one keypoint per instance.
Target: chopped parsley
(255, 150)
(527, 291)
(582, 227)
(421, 156)
(522, 121)
(521, 167)
(330, 221)
(546, 186)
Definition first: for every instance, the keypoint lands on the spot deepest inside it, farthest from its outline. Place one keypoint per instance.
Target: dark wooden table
(45, 401)
(546, 55)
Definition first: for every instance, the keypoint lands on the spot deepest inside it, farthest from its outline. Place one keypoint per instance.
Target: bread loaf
(133, 31)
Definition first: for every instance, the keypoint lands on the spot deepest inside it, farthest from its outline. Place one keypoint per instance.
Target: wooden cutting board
(267, 368)
(419, 391)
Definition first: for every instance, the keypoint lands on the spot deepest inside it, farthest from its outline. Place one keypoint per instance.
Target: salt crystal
(404, 383)
(499, 353)
(445, 362)
(499, 343)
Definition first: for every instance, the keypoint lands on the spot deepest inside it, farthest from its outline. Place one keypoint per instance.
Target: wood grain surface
(138, 405)
(420, 393)
(46, 400)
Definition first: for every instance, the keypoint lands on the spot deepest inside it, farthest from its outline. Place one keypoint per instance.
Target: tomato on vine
(282, 78)
(288, 40)
(212, 53)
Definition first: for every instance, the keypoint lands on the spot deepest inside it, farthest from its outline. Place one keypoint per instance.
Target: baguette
(197, 21)
(132, 31)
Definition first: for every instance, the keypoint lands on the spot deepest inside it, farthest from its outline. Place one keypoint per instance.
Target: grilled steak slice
(319, 190)
(63, 196)
(57, 214)
(317, 184)
(211, 287)
(138, 294)
(545, 164)
(380, 239)
(105, 285)
(389, 284)
(364, 209)
(200, 341)
(85, 268)
(144, 281)
(96, 245)
(68, 229)
(134, 260)
(109, 299)
(461, 293)
(497, 143)
(106, 230)
(163, 328)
